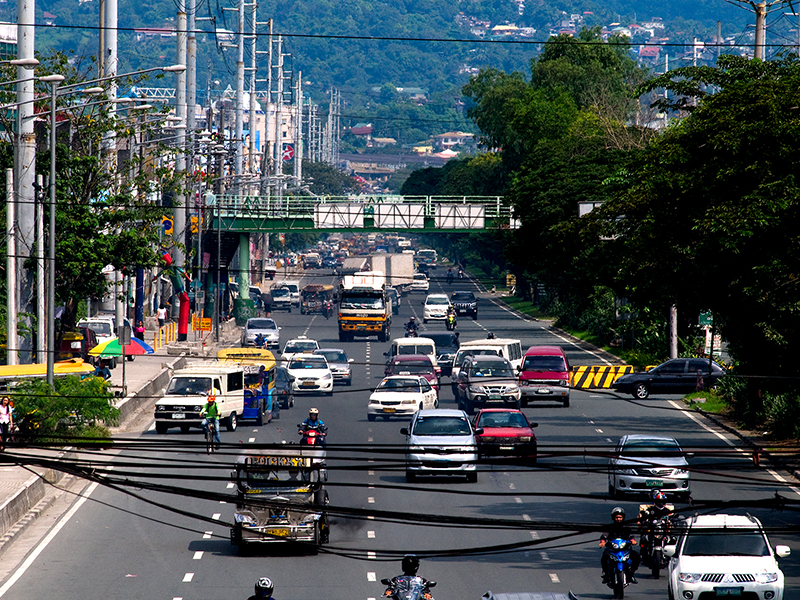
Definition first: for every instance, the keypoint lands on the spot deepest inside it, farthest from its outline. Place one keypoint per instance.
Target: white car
(724, 555)
(436, 306)
(299, 345)
(311, 374)
(642, 463)
(401, 396)
(419, 283)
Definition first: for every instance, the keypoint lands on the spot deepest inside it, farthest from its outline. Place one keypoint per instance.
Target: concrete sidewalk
(27, 492)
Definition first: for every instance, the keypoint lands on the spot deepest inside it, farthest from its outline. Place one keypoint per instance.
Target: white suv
(724, 555)
(436, 306)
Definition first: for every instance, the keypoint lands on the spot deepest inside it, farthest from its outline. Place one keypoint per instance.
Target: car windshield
(333, 356)
(544, 363)
(420, 277)
(503, 419)
(99, 328)
(261, 324)
(479, 352)
(399, 385)
(443, 340)
(438, 301)
(651, 446)
(355, 300)
(412, 366)
(442, 426)
(491, 371)
(463, 297)
(308, 363)
(300, 346)
(415, 349)
(280, 292)
(725, 543)
(189, 386)
(259, 477)
(281, 375)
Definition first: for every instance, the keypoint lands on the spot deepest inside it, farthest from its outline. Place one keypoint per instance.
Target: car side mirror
(479, 431)
(519, 368)
(350, 360)
(783, 551)
(669, 551)
(389, 582)
(534, 425)
(431, 584)
(386, 354)
(404, 431)
(689, 454)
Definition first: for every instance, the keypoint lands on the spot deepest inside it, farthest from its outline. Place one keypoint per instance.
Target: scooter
(408, 587)
(652, 543)
(450, 322)
(312, 435)
(619, 574)
(411, 332)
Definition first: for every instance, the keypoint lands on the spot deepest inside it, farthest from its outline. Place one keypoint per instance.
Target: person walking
(138, 331)
(266, 303)
(6, 421)
(162, 315)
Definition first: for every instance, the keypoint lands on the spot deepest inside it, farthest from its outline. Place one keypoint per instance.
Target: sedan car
(266, 327)
(441, 442)
(311, 374)
(506, 432)
(642, 463)
(435, 307)
(339, 364)
(413, 364)
(299, 345)
(283, 392)
(676, 376)
(419, 283)
(401, 396)
(394, 296)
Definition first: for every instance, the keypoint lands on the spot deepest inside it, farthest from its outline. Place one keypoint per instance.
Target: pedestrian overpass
(412, 214)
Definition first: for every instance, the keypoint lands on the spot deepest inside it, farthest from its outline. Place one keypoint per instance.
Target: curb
(20, 526)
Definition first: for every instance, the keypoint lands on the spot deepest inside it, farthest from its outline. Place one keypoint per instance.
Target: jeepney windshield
(365, 300)
(189, 386)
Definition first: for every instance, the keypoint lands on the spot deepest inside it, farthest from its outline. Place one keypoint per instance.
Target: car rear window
(438, 301)
(442, 426)
(400, 385)
(333, 356)
(415, 349)
(544, 363)
(261, 324)
(412, 366)
(463, 296)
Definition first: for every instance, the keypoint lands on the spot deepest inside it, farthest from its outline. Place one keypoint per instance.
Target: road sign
(205, 324)
(706, 319)
(288, 151)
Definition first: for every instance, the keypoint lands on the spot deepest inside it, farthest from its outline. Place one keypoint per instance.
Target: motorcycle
(327, 309)
(408, 587)
(450, 322)
(411, 331)
(313, 435)
(653, 540)
(619, 570)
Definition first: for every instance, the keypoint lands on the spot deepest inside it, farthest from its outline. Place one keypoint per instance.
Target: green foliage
(68, 408)
(327, 180)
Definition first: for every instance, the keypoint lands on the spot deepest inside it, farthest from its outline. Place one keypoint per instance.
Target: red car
(506, 432)
(413, 364)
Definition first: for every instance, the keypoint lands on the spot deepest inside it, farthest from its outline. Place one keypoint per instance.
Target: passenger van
(294, 290)
(544, 375)
(188, 391)
(415, 345)
(511, 350)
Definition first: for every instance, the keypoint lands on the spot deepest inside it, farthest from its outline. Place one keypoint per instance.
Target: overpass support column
(244, 307)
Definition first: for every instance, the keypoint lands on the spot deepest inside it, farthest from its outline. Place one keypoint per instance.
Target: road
(116, 545)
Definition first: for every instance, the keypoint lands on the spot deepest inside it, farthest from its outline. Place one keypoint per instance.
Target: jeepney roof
(316, 455)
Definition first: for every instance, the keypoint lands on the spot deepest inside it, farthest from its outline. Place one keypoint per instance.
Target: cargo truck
(364, 309)
(397, 268)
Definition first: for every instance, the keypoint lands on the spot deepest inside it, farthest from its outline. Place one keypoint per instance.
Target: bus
(259, 381)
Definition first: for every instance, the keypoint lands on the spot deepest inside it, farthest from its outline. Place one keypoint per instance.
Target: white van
(188, 391)
(294, 289)
(509, 349)
(415, 345)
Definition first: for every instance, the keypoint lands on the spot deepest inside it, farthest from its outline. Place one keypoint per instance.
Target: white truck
(364, 308)
(397, 268)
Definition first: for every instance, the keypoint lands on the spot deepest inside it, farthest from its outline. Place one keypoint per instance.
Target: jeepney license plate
(495, 397)
(178, 416)
(389, 410)
(654, 483)
(282, 532)
(728, 591)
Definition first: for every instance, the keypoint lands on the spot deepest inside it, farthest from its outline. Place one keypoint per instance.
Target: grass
(713, 403)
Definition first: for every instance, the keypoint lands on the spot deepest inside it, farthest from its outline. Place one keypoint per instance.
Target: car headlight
(408, 402)
(679, 472)
(563, 383)
(327, 376)
(465, 449)
(512, 389)
(476, 388)
(160, 408)
(690, 577)
(416, 448)
(525, 438)
(198, 408)
(626, 472)
(766, 577)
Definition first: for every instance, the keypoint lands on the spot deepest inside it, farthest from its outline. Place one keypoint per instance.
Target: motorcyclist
(411, 326)
(618, 529)
(260, 342)
(659, 510)
(314, 422)
(410, 566)
(490, 336)
(210, 412)
(451, 316)
(450, 275)
(264, 588)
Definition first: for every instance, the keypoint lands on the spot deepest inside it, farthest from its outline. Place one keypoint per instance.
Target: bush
(781, 414)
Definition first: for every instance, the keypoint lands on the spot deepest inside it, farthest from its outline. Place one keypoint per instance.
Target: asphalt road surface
(134, 543)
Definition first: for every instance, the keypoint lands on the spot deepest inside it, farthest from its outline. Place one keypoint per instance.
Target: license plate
(654, 483)
(728, 591)
(389, 410)
(283, 532)
(178, 416)
(506, 447)
(544, 391)
(308, 384)
(495, 397)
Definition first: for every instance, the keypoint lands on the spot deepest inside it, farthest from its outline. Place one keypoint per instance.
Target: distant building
(383, 142)
(452, 138)
(8, 41)
(362, 130)
(49, 18)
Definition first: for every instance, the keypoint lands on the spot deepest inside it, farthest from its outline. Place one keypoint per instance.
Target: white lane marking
(595, 396)
(371, 535)
(370, 472)
(369, 439)
(554, 578)
(526, 517)
(370, 517)
(372, 555)
(231, 485)
(222, 502)
(512, 486)
(370, 576)
(518, 500)
(597, 356)
(207, 535)
(187, 578)
(371, 486)
(544, 555)
(251, 440)
(178, 598)
(534, 535)
(152, 426)
(369, 460)
(216, 516)
(591, 422)
(371, 500)
(255, 430)
(314, 318)
(48, 538)
(198, 555)
(697, 420)
(609, 440)
(599, 430)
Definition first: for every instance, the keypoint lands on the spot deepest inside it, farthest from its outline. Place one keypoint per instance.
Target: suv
(441, 441)
(465, 303)
(724, 555)
(435, 308)
(486, 381)
(544, 375)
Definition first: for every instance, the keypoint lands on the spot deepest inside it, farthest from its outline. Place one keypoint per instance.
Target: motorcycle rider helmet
(410, 564)
(617, 510)
(264, 587)
(313, 412)
(412, 319)
(659, 498)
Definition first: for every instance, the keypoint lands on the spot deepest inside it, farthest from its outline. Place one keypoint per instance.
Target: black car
(465, 303)
(283, 388)
(676, 376)
(447, 345)
(329, 262)
(395, 297)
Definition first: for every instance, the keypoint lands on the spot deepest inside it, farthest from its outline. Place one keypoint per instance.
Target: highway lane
(103, 551)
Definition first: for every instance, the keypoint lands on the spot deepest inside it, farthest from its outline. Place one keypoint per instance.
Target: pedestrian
(266, 303)
(6, 421)
(139, 331)
(102, 370)
(162, 316)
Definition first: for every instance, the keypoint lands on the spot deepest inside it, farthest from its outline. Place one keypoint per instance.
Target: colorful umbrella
(113, 348)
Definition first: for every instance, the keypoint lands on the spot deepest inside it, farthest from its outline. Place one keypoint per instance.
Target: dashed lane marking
(222, 502)
(526, 517)
(609, 440)
(178, 598)
(372, 555)
(371, 517)
(207, 535)
(371, 500)
(369, 439)
(231, 485)
(251, 440)
(216, 516)
(371, 576)
(534, 535)
(370, 472)
(599, 430)
(152, 426)
(371, 486)
(554, 578)
(314, 318)
(198, 555)
(544, 555)
(371, 535)
(518, 500)
(187, 578)
(512, 486)
(255, 430)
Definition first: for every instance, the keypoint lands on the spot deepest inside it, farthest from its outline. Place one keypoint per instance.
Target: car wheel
(130, 357)
(161, 428)
(184, 429)
(410, 477)
(475, 317)
(670, 595)
(469, 408)
(472, 477)
(342, 336)
(329, 393)
(436, 403)
(291, 401)
(231, 423)
(260, 419)
(370, 418)
(290, 310)
(612, 490)
(641, 391)
(425, 321)
(566, 403)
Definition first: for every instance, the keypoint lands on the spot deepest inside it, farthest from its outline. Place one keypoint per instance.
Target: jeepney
(281, 497)
(315, 297)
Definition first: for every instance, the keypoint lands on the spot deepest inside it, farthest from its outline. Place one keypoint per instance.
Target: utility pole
(279, 126)
(761, 29)
(298, 131)
(673, 331)
(267, 145)
(179, 205)
(11, 270)
(252, 121)
(239, 126)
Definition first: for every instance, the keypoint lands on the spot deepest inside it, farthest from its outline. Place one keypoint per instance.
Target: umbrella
(113, 348)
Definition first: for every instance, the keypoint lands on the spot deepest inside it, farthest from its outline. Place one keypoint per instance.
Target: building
(452, 138)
